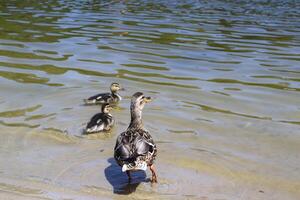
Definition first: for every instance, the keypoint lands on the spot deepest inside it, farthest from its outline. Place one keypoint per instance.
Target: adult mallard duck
(135, 148)
(101, 98)
(103, 121)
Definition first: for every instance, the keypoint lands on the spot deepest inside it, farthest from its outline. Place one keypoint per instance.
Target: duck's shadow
(119, 180)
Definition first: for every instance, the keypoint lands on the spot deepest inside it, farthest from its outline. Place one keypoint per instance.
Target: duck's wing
(143, 143)
(98, 98)
(122, 150)
(96, 124)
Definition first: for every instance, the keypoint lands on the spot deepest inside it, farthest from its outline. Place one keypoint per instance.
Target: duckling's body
(135, 148)
(102, 98)
(103, 121)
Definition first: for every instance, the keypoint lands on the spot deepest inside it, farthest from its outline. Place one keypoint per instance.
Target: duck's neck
(114, 94)
(136, 118)
(113, 91)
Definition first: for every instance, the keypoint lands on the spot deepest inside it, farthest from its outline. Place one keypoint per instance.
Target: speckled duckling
(103, 121)
(101, 98)
(135, 148)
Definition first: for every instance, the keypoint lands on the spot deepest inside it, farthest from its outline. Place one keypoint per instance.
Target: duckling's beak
(122, 89)
(147, 99)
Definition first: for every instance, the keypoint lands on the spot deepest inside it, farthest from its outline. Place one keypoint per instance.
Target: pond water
(224, 75)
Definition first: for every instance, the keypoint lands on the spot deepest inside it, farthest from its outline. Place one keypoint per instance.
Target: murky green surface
(225, 76)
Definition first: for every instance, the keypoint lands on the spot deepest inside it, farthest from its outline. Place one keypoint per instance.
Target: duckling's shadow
(119, 180)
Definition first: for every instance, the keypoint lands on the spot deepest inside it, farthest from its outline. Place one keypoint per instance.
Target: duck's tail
(137, 165)
(89, 102)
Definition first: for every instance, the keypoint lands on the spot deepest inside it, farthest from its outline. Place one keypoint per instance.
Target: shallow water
(224, 76)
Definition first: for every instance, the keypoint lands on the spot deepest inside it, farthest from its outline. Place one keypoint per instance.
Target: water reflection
(119, 180)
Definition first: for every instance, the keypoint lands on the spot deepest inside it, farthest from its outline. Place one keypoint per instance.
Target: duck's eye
(142, 100)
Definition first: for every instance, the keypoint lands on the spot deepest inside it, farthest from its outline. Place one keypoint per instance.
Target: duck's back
(135, 144)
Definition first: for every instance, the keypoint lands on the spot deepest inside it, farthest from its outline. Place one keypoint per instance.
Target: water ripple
(237, 61)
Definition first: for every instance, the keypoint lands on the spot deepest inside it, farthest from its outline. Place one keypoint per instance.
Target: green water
(224, 75)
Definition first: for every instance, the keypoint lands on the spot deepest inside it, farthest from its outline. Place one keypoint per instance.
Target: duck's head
(114, 87)
(106, 108)
(139, 100)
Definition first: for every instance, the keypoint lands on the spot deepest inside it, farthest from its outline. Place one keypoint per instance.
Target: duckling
(135, 148)
(103, 121)
(112, 97)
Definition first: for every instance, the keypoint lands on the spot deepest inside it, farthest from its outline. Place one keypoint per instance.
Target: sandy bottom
(53, 165)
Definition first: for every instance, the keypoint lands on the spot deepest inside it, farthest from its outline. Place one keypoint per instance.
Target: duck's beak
(147, 99)
(122, 89)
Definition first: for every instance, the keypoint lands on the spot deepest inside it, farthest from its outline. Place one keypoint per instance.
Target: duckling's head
(106, 108)
(139, 100)
(114, 87)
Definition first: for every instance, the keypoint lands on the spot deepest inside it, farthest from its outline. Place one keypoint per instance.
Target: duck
(135, 149)
(112, 97)
(103, 121)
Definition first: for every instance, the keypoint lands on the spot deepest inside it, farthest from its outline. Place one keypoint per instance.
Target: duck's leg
(129, 175)
(154, 177)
